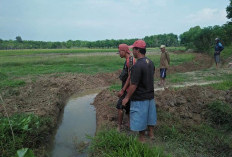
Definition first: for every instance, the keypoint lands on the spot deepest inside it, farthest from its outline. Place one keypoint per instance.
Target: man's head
(123, 50)
(139, 48)
(162, 48)
(217, 40)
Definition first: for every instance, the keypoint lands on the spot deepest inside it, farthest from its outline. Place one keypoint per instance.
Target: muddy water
(78, 120)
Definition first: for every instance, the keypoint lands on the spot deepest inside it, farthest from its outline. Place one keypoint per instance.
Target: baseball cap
(139, 44)
(124, 47)
(162, 46)
(216, 39)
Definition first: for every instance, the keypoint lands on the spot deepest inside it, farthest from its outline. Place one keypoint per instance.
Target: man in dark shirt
(141, 93)
(218, 49)
(124, 52)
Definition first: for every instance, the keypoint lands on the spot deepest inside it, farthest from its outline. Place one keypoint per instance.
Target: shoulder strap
(131, 62)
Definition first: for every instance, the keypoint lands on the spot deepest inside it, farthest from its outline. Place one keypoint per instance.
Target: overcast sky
(62, 20)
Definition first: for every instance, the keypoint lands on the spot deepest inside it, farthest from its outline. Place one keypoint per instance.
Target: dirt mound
(106, 112)
(189, 103)
(47, 96)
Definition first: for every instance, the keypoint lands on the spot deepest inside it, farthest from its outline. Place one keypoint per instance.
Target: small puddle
(77, 121)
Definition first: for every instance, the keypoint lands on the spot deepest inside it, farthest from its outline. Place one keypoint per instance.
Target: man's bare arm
(131, 90)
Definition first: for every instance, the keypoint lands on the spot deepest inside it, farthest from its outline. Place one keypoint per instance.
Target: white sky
(62, 20)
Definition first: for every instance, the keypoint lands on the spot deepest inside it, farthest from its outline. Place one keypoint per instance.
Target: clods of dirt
(189, 104)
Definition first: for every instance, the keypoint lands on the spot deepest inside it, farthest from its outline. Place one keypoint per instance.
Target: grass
(51, 51)
(220, 114)
(116, 87)
(110, 143)
(181, 139)
(13, 65)
(29, 131)
(73, 51)
(226, 53)
(178, 78)
(225, 85)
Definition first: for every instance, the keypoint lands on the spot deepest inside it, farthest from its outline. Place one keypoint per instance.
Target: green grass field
(14, 65)
(73, 51)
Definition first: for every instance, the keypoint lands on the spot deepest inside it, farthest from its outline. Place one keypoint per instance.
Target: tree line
(203, 39)
(152, 41)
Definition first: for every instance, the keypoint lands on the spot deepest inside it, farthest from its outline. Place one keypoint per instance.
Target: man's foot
(142, 139)
(152, 137)
(119, 128)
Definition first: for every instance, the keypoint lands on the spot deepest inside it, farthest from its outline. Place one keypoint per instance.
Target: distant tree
(229, 10)
(1, 40)
(19, 39)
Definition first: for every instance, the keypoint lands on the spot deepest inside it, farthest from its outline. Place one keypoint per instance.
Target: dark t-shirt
(142, 75)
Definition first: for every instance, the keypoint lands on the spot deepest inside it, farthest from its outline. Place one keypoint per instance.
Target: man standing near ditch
(141, 93)
(164, 64)
(124, 52)
(218, 49)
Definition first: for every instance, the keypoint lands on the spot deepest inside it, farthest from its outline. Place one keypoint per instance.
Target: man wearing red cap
(124, 52)
(141, 93)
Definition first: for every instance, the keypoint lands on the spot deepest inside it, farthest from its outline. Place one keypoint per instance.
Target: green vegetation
(29, 131)
(25, 152)
(220, 114)
(53, 51)
(203, 39)
(220, 76)
(182, 139)
(116, 87)
(110, 143)
(225, 85)
(152, 41)
(229, 10)
(226, 53)
(178, 78)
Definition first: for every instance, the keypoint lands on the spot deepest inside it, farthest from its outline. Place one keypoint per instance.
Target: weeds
(29, 131)
(220, 114)
(181, 139)
(111, 144)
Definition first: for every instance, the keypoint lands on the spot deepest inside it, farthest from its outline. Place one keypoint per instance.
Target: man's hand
(125, 101)
(120, 93)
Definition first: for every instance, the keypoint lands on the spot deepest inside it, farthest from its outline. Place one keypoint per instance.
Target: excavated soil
(189, 104)
(47, 96)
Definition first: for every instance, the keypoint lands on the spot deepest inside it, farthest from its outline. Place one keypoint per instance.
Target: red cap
(139, 44)
(124, 47)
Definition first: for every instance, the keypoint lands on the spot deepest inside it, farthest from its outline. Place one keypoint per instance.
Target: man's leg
(138, 117)
(120, 117)
(141, 136)
(163, 82)
(151, 131)
(152, 118)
